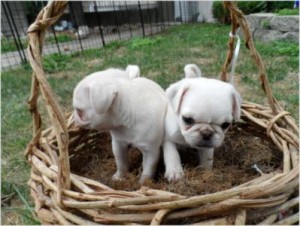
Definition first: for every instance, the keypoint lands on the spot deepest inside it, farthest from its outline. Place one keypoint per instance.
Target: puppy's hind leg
(174, 171)
(206, 156)
(150, 160)
(120, 151)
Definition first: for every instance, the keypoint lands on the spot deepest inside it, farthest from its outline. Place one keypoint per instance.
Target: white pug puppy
(199, 114)
(131, 108)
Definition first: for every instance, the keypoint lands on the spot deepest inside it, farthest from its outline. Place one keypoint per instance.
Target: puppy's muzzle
(204, 144)
(79, 121)
(206, 135)
(206, 141)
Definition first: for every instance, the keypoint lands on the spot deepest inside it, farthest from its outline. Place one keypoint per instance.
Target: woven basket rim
(51, 180)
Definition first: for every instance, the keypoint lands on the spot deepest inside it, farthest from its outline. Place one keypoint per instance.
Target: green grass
(59, 38)
(56, 62)
(9, 45)
(283, 54)
(161, 58)
(16, 132)
(287, 12)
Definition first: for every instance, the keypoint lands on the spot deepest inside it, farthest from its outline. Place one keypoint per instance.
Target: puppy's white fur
(131, 108)
(199, 113)
(192, 71)
(133, 71)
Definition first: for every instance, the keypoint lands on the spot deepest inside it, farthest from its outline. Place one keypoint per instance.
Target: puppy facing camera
(200, 112)
(130, 107)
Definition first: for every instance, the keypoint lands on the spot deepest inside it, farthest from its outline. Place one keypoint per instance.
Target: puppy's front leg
(206, 156)
(174, 171)
(150, 160)
(120, 150)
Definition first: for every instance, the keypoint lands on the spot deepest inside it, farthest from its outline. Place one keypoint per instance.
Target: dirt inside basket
(233, 164)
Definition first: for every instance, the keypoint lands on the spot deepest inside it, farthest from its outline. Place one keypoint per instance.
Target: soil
(233, 163)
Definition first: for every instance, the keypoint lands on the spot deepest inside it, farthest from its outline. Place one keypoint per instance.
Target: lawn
(161, 58)
(9, 44)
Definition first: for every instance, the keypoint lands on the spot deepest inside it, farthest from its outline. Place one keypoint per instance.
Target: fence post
(76, 25)
(128, 19)
(141, 17)
(162, 16)
(167, 14)
(56, 41)
(180, 12)
(99, 23)
(116, 20)
(13, 27)
(149, 16)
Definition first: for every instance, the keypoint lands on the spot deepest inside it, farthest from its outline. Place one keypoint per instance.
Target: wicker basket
(64, 198)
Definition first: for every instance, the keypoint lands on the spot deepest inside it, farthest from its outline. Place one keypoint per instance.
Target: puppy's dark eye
(188, 120)
(225, 125)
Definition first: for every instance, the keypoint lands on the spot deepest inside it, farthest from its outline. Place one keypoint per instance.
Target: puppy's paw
(144, 178)
(174, 175)
(117, 177)
(207, 165)
(204, 167)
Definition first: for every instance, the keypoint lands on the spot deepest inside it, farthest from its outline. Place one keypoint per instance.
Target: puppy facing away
(131, 108)
(199, 114)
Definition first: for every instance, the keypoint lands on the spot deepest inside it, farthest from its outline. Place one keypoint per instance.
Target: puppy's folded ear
(133, 71)
(102, 95)
(175, 94)
(236, 105)
(192, 71)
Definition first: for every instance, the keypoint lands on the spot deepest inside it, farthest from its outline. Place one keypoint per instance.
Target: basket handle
(238, 20)
(36, 34)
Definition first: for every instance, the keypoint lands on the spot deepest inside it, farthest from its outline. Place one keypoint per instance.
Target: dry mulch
(233, 163)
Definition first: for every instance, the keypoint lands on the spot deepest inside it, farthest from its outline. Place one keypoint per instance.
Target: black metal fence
(88, 24)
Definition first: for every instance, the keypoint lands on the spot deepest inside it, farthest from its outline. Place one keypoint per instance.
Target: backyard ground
(161, 58)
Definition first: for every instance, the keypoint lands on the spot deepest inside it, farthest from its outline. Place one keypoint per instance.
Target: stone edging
(270, 27)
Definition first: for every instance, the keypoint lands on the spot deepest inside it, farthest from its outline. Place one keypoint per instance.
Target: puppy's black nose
(206, 135)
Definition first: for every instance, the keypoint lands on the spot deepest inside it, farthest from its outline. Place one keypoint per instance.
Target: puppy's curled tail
(133, 71)
(192, 71)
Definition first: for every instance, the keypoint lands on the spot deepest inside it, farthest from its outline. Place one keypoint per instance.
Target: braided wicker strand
(238, 20)
(36, 33)
(62, 197)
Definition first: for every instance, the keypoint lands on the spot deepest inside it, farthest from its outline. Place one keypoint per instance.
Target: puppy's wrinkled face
(205, 109)
(204, 118)
(92, 105)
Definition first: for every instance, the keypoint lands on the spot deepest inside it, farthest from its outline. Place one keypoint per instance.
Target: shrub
(220, 13)
(247, 7)
(273, 6)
